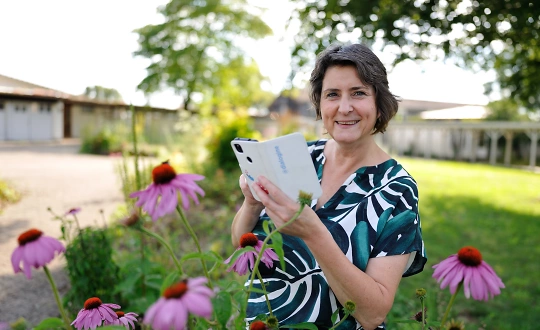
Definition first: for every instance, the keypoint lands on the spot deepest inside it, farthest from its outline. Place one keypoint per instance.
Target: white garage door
(27, 121)
(18, 121)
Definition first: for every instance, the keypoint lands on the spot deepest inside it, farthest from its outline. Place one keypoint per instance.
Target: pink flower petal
(152, 310)
(478, 289)
(456, 279)
(197, 304)
(16, 258)
(467, 275)
(180, 318)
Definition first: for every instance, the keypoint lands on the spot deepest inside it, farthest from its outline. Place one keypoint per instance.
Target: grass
(496, 210)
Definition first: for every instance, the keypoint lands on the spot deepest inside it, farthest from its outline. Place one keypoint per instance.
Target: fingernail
(263, 188)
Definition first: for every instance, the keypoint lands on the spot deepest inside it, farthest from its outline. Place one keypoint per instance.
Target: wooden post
(533, 135)
(494, 136)
(509, 135)
(474, 145)
(427, 144)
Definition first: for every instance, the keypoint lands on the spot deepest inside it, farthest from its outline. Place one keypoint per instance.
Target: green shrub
(231, 125)
(103, 141)
(91, 269)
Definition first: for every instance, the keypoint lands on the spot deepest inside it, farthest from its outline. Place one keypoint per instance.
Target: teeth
(352, 122)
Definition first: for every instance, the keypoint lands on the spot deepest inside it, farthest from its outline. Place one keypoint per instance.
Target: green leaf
(266, 227)
(154, 281)
(277, 244)
(303, 325)
(222, 307)
(50, 323)
(334, 316)
(129, 282)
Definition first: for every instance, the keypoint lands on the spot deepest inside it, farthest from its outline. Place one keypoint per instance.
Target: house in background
(30, 112)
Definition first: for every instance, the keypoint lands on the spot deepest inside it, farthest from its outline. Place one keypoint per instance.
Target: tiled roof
(12, 86)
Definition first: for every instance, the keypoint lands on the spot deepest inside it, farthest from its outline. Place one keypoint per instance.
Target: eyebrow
(355, 88)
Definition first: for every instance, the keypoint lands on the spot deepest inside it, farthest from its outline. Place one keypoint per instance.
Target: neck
(364, 153)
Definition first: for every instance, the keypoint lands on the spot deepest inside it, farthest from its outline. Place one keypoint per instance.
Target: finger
(277, 194)
(264, 197)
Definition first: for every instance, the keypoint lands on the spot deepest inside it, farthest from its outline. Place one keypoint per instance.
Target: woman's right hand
(247, 216)
(248, 195)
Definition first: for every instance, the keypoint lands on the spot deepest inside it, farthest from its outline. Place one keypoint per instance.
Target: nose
(345, 106)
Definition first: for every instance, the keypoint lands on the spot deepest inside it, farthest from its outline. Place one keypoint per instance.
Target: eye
(331, 94)
(359, 93)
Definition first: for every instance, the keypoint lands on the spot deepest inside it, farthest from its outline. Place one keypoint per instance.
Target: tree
(195, 44)
(490, 34)
(103, 94)
(505, 110)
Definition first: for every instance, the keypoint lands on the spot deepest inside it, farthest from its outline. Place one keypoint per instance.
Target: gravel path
(48, 175)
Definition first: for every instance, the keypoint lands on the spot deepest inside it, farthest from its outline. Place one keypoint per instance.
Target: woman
(363, 234)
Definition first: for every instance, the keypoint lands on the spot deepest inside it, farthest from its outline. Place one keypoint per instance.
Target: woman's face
(348, 107)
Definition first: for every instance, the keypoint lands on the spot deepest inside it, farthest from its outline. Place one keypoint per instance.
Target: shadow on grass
(508, 241)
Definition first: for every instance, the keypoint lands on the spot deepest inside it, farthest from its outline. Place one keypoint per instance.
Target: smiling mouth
(350, 122)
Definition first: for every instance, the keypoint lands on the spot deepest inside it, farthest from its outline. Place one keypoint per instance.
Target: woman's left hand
(280, 208)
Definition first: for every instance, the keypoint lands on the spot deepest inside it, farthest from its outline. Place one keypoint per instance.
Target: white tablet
(285, 161)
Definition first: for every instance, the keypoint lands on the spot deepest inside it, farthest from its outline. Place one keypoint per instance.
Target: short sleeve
(398, 227)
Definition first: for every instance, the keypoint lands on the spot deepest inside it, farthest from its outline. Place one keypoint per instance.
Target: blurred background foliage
(501, 35)
(8, 194)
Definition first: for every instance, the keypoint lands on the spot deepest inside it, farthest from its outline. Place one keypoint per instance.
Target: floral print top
(373, 214)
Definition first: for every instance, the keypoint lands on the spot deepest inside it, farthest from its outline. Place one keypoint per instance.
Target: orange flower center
(470, 256)
(29, 236)
(92, 303)
(163, 173)
(248, 239)
(176, 290)
(257, 325)
(119, 314)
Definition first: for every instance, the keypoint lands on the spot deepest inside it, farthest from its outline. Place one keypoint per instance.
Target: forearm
(244, 221)
(348, 282)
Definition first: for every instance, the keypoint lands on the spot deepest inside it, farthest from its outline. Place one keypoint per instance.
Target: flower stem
(450, 303)
(340, 321)
(135, 151)
(264, 289)
(57, 298)
(265, 242)
(423, 313)
(196, 240)
(162, 241)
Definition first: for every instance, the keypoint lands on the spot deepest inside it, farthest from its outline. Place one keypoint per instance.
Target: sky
(69, 45)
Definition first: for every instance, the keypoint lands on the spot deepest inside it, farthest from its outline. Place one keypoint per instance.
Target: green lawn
(494, 209)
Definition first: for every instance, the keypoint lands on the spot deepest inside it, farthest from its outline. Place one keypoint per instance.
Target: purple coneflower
(246, 261)
(34, 250)
(167, 184)
(73, 211)
(94, 313)
(125, 319)
(467, 266)
(172, 309)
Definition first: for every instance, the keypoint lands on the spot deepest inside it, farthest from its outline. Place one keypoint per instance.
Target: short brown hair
(371, 72)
